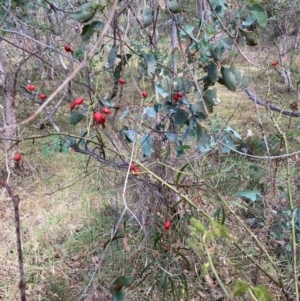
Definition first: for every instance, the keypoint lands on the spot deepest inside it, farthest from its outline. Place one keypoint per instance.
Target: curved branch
(265, 104)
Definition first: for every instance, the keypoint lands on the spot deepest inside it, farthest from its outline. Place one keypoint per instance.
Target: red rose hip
(99, 118)
(78, 101)
(42, 96)
(68, 48)
(106, 111)
(17, 157)
(31, 87)
(72, 106)
(144, 94)
(179, 94)
(167, 225)
(122, 81)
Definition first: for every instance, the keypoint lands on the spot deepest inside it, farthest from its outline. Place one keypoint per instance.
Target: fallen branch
(265, 104)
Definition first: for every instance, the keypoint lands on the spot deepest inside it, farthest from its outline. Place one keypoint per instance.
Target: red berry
(144, 94)
(176, 97)
(68, 48)
(78, 101)
(17, 157)
(136, 170)
(167, 225)
(42, 96)
(122, 81)
(72, 106)
(99, 118)
(31, 87)
(179, 94)
(132, 167)
(274, 63)
(106, 111)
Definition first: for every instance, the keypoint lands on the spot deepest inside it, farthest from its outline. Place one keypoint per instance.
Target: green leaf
(151, 63)
(65, 148)
(79, 54)
(212, 72)
(112, 55)
(86, 13)
(228, 78)
(181, 170)
(211, 99)
(199, 110)
(117, 287)
(181, 117)
(240, 288)
(230, 130)
(226, 42)
(118, 296)
(147, 145)
(172, 137)
(206, 141)
(249, 21)
(130, 135)
(226, 139)
(166, 84)
(259, 14)
(124, 114)
(72, 140)
(261, 293)
(216, 51)
(239, 76)
(75, 117)
(175, 7)
(187, 30)
(250, 36)
(89, 29)
(198, 131)
(159, 89)
(169, 109)
(150, 112)
(147, 16)
(46, 151)
(253, 195)
(210, 29)
(180, 150)
(117, 71)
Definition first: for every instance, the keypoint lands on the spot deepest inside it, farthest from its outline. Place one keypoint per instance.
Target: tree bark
(9, 116)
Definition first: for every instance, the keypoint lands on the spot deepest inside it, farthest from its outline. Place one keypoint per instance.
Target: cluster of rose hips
(100, 118)
(177, 96)
(134, 168)
(31, 88)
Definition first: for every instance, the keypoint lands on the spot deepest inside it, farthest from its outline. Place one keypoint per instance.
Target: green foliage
(89, 29)
(259, 14)
(75, 117)
(253, 195)
(56, 144)
(260, 291)
(147, 16)
(117, 287)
